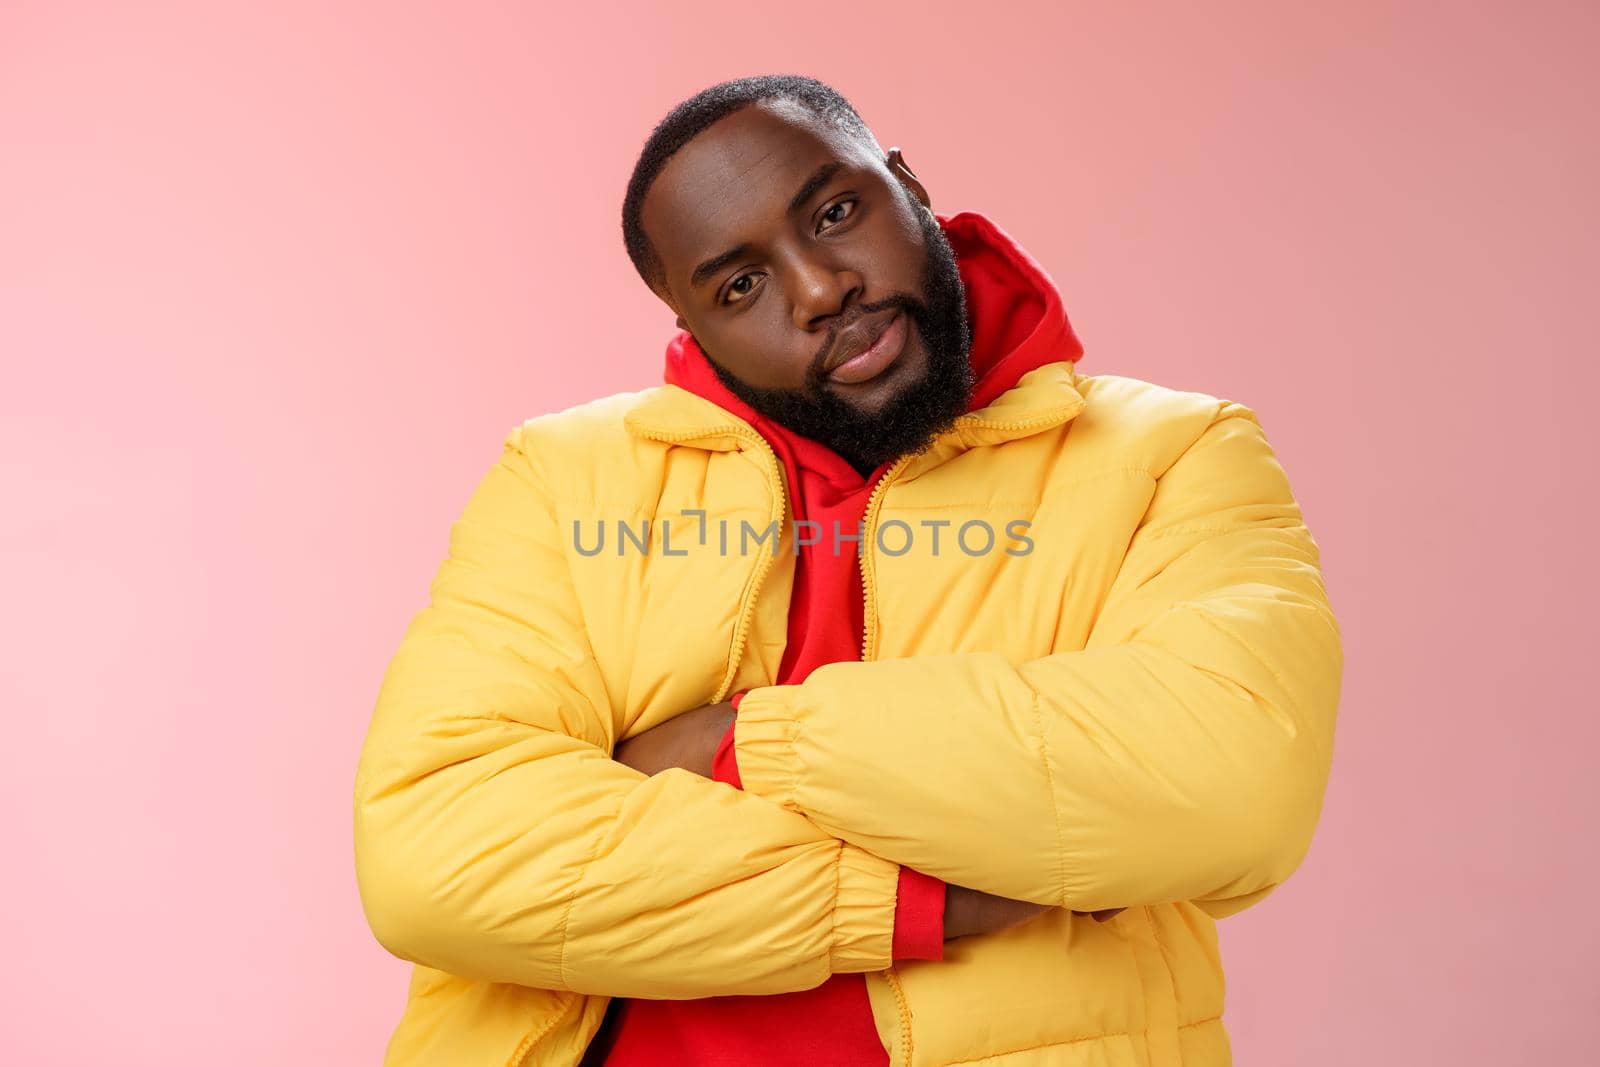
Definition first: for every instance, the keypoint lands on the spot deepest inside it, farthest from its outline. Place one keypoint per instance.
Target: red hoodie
(1017, 324)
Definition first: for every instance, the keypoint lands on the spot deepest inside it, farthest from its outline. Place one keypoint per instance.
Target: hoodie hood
(1013, 309)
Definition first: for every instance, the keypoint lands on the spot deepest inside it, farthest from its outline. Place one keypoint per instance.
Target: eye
(741, 287)
(833, 214)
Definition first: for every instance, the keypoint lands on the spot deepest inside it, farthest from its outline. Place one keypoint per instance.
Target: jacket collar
(1043, 398)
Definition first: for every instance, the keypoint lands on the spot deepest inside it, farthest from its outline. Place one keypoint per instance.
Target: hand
(688, 740)
(971, 911)
(1103, 914)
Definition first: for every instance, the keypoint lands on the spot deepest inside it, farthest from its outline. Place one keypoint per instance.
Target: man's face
(787, 248)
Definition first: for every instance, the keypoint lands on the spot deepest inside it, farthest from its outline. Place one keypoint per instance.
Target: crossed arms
(1180, 756)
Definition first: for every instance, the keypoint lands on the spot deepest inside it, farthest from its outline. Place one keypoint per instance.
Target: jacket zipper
(869, 611)
(523, 1056)
(741, 632)
(869, 649)
(869, 627)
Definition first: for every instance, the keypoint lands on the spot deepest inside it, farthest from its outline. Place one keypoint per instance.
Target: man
(877, 690)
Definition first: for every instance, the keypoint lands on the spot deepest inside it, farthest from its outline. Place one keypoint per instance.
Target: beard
(909, 420)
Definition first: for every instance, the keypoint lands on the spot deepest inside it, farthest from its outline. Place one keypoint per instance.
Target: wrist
(724, 761)
(919, 924)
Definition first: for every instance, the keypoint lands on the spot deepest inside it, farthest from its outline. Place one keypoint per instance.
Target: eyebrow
(813, 183)
(704, 271)
(820, 177)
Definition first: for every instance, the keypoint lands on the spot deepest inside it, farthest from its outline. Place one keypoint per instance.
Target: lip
(867, 349)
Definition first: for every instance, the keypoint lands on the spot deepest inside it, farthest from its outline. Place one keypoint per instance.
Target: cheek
(897, 254)
(763, 349)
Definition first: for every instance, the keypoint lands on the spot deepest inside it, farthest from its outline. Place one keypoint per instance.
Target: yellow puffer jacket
(1136, 712)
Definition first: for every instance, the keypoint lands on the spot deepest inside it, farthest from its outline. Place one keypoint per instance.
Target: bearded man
(1030, 678)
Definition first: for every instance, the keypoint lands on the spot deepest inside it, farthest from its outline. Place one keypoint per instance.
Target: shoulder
(1146, 424)
(577, 449)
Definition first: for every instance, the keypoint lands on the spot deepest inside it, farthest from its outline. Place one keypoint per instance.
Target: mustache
(912, 306)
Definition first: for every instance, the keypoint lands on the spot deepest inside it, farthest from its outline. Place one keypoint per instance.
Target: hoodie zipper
(741, 631)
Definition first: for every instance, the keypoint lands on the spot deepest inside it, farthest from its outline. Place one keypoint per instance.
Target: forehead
(734, 181)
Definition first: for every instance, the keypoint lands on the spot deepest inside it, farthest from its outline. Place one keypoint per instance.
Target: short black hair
(689, 118)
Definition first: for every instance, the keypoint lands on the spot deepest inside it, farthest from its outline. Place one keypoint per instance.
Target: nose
(822, 290)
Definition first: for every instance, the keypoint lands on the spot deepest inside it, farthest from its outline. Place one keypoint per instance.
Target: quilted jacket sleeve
(1181, 755)
(496, 839)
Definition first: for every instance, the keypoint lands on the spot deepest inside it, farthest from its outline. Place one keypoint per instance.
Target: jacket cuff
(863, 913)
(764, 733)
(919, 916)
(725, 764)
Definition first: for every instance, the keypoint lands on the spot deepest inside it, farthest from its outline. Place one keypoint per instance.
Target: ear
(895, 160)
(671, 306)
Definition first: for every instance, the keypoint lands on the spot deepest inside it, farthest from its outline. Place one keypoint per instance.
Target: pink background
(275, 282)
